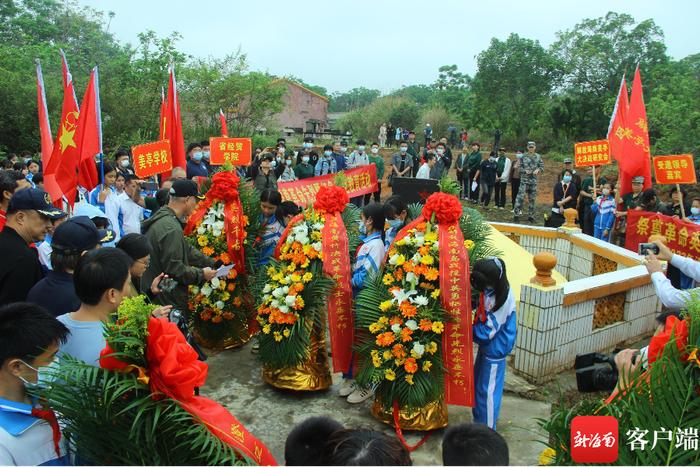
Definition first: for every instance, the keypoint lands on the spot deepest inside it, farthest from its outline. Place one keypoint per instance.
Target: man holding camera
(172, 254)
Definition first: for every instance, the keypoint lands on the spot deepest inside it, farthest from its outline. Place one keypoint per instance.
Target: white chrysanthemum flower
(290, 300)
(201, 230)
(418, 349)
(278, 293)
(396, 327)
(219, 305)
(420, 300)
(303, 239)
(267, 289)
(412, 279)
(419, 241)
(284, 309)
(317, 226)
(411, 324)
(275, 304)
(195, 289)
(218, 225)
(206, 290)
(317, 246)
(215, 282)
(285, 289)
(436, 246)
(416, 257)
(216, 233)
(394, 259)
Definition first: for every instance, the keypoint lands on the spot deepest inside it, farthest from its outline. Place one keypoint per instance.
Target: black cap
(185, 188)
(35, 199)
(79, 234)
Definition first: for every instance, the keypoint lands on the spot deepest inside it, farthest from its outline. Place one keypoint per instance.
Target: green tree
(352, 99)
(594, 55)
(421, 94)
(515, 78)
(453, 90)
(365, 122)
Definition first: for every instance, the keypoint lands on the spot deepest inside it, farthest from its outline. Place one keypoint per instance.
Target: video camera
(180, 321)
(596, 371)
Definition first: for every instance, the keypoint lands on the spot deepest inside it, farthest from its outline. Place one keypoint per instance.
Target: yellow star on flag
(66, 139)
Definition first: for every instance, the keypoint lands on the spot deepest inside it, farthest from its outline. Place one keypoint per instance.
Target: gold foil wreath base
(236, 336)
(429, 417)
(311, 375)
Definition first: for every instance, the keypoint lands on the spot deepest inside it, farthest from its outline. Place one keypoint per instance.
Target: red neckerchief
(50, 417)
(480, 311)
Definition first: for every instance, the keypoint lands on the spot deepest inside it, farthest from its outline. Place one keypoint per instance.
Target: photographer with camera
(670, 296)
(171, 253)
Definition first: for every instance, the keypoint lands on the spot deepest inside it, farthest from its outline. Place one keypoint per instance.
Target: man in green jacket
(376, 159)
(414, 151)
(473, 165)
(171, 253)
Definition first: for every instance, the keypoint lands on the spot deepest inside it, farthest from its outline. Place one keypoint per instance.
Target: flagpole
(102, 171)
(680, 198)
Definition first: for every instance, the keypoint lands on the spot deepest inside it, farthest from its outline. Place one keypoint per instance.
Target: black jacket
(56, 293)
(19, 269)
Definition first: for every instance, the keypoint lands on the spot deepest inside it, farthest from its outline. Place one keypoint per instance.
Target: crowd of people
(62, 277)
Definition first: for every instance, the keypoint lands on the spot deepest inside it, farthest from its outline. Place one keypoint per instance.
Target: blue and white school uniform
(26, 439)
(94, 196)
(604, 210)
(390, 235)
(271, 236)
(369, 258)
(496, 338)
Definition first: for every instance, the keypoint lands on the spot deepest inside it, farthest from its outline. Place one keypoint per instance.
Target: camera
(167, 284)
(180, 320)
(646, 248)
(596, 372)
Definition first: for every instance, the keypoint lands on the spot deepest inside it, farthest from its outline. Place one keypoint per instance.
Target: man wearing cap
(10, 181)
(531, 166)
(172, 254)
(71, 239)
(29, 217)
(628, 201)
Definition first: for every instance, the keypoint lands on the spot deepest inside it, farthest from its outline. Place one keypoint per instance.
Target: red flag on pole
(88, 135)
(637, 153)
(64, 148)
(163, 114)
(174, 126)
(44, 125)
(222, 117)
(618, 120)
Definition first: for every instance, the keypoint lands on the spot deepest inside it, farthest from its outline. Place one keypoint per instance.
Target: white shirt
(112, 211)
(44, 249)
(131, 216)
(505, 176)
(670, 296)
(358, 159)
(424, 171)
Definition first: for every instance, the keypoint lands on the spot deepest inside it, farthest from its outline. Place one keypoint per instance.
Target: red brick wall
(299, 107)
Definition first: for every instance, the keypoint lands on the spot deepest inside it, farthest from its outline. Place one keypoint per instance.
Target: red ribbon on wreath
(174, 372)
(455, 294)
(224, 188)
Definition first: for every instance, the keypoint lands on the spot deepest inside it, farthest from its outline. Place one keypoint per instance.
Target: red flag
(174, 126)
(88, 136)
(44, 126)
(163, 114)
(222, 117)
(637, 153)
(618, 121)
(64, 148)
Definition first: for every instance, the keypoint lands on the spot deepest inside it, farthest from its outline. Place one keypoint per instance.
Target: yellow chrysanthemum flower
(468, 244)
(388, 279)
(266, 329)
(375, 328)
(427, 365)
(291, 267)
(202, 240)
(385, 306)
(400, 260)
(427, 260)
(547, 457)
(277, 335)
(438, 327)
(383, 320)
(307, 277)
(409, 379)
(431, 237)
(376, 361)
(387, 355)
(431, 348)
(389, 375)
(435, 294)
(295, 277)
(286, 332)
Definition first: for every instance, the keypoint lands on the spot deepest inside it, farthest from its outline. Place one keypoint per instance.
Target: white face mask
(305, 159)
(360, 148)
(44, 375)
(375, 150)
(403, 149)
(606, 191)
(308, 145)
(343, 148)
(439, 150)
(695, 211)
(124, 163)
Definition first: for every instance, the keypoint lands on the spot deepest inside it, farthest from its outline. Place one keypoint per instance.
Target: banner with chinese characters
(592, 153)
(152, 158)
(359, 181)
(237, 151)
(681, 237)
(669, 170)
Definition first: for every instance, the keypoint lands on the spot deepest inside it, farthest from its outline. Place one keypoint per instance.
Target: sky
(379, 44)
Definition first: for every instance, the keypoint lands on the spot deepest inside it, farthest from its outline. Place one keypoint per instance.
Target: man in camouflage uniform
(531, 166)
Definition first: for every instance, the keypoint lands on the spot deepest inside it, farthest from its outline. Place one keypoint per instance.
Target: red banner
(455, 292)
(336, 264)
(152, 158)
(682, 237)
(237, 151)
(669, 170)
(592, 153)
(359, 181)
